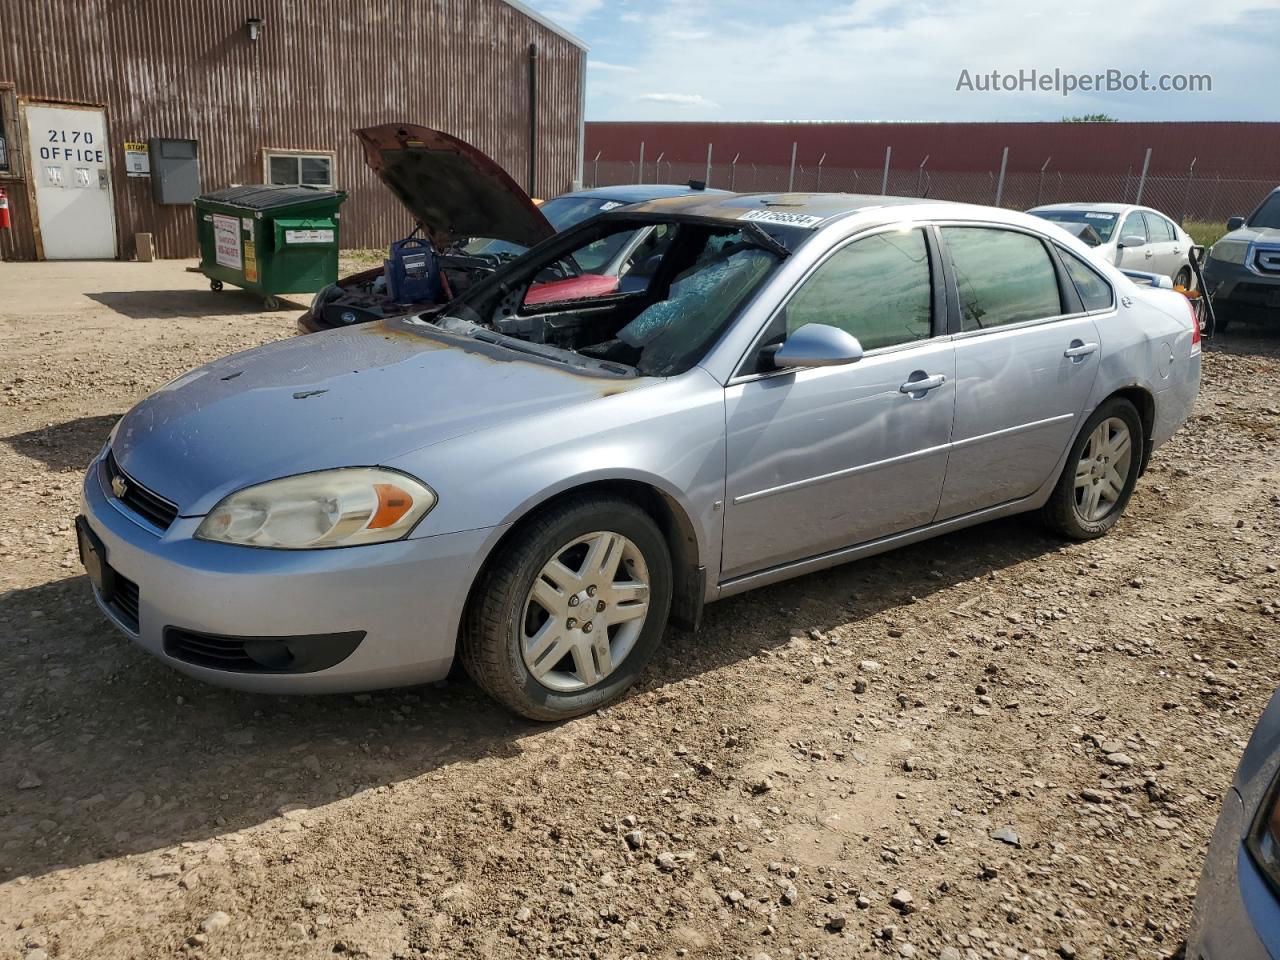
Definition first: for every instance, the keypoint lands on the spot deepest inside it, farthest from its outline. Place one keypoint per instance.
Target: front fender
(669, 435)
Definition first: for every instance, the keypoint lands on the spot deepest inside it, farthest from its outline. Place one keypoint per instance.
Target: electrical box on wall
(175, 170)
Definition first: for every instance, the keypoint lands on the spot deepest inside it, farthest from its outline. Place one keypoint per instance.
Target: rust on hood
(452, 189)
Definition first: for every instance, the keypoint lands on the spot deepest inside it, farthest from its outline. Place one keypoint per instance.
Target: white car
(1130, 237)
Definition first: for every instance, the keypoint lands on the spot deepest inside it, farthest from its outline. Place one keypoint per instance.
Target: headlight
(1264, 836)
(1229, 251)
(330, 508)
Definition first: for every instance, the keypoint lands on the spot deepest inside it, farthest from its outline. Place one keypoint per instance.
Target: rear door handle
(1149, 254)
(923, 385)
(1079, 350)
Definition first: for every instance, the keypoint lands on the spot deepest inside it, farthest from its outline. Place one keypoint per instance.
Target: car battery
(412, 271)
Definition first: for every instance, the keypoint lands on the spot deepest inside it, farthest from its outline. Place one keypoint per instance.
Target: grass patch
(353, 261)
(1204, 233)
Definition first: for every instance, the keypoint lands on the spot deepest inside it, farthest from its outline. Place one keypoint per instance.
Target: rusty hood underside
(452, 189)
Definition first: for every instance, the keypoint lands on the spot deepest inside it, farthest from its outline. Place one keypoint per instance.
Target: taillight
(1193, 302)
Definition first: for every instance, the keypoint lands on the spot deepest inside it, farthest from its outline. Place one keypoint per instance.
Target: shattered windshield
(562, 213)
(675, 287)
(1103, 223)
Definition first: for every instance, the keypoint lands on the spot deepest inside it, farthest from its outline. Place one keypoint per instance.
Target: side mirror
(818, 345)
(1131, 240)
(1234, 223)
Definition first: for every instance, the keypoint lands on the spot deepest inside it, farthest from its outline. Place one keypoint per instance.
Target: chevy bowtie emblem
(119, 487)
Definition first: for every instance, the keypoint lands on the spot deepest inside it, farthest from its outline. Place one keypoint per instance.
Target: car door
(1026, 357)
(826, 457)
(1165, 250)
(1134, 256)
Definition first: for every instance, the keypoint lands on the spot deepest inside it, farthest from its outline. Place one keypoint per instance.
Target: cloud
(900, 59)
(678, 99)
(609, 67)
(569, 13)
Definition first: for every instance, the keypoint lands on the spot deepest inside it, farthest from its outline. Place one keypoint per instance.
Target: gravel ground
(994, 744)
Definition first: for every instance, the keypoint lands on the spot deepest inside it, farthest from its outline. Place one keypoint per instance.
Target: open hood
(452, 189)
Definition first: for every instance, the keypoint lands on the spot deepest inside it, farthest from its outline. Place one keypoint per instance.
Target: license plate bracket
(93, 555)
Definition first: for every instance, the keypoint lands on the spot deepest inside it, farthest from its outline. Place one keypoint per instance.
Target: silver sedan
(539, 486)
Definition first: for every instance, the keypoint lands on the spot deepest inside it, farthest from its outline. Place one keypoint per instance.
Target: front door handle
(1149, 254)
(1079, 350)
(923, 385)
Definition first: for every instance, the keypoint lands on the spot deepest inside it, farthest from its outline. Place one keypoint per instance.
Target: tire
(1183, 278)
(272, 303)
(499, 642)
(1223, 315)
(215, 286)
(1065, 512)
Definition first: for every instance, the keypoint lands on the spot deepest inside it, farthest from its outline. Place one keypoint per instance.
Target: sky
(903, 59)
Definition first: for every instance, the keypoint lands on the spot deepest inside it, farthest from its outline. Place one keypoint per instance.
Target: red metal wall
(1230, 149)
(187, 68)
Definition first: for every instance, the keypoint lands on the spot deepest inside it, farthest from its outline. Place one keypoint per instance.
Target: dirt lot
(990, 745)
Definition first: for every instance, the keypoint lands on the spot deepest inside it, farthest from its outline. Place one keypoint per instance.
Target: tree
(1090, 118)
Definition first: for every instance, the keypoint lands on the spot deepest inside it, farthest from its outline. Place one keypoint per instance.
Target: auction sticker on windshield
(779, 216)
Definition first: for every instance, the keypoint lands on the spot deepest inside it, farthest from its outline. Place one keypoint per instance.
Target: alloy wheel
(585, 611)
(1103, 469)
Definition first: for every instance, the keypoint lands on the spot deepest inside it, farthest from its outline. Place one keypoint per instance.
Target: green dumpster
(269, 239)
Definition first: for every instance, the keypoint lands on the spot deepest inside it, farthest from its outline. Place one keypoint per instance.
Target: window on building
(1004, 277)
(293, 168)
(878, 289)
(8, 132)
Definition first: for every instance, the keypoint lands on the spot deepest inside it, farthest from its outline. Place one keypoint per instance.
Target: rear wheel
(1100, 473)
(570, 611)
(1183, 279)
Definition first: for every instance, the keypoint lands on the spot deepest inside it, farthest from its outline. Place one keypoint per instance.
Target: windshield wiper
(762, 239)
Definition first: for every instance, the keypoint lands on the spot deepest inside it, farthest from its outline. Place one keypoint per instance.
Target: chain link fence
(1187, 197)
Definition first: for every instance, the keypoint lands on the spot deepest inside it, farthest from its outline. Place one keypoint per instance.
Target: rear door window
(1003, 277)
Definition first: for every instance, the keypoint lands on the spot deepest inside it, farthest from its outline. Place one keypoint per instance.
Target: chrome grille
(152, 507)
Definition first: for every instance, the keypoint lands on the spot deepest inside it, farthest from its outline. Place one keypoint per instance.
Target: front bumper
(1236, 917)
(1236, 284)
(406, 597)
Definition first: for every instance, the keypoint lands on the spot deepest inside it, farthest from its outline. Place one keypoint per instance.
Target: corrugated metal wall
(1230, 149)
(187, 68)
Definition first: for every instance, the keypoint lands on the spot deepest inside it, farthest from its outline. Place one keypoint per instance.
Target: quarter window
(1095, 293)
(1003, 277)
(878, 289)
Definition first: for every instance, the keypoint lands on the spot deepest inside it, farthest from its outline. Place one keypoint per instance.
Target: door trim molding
(847, 472)
(1009, 431)
(795, 568)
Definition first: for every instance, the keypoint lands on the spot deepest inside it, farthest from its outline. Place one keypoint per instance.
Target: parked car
(1133, 238)
(538, 488)
(1243, 268)
(1237, 909)
(475, 219)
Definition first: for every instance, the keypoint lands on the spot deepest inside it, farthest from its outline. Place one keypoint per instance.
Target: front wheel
(1100, 473)
(1183, 279)
(570, 610)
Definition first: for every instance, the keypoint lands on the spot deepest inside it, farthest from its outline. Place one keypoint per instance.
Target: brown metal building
(269, 91)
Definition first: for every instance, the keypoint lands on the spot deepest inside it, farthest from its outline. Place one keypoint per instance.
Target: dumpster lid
(263, 196)
(452, 189)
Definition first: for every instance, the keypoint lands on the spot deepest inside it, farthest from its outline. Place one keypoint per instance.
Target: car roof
(638, 192)
(732, 206)
(1099, 207)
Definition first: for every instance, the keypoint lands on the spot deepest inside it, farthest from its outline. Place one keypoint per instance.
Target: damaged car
(471, 219)
(537, 485)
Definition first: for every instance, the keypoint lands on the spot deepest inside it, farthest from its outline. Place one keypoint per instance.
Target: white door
(70, 168)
